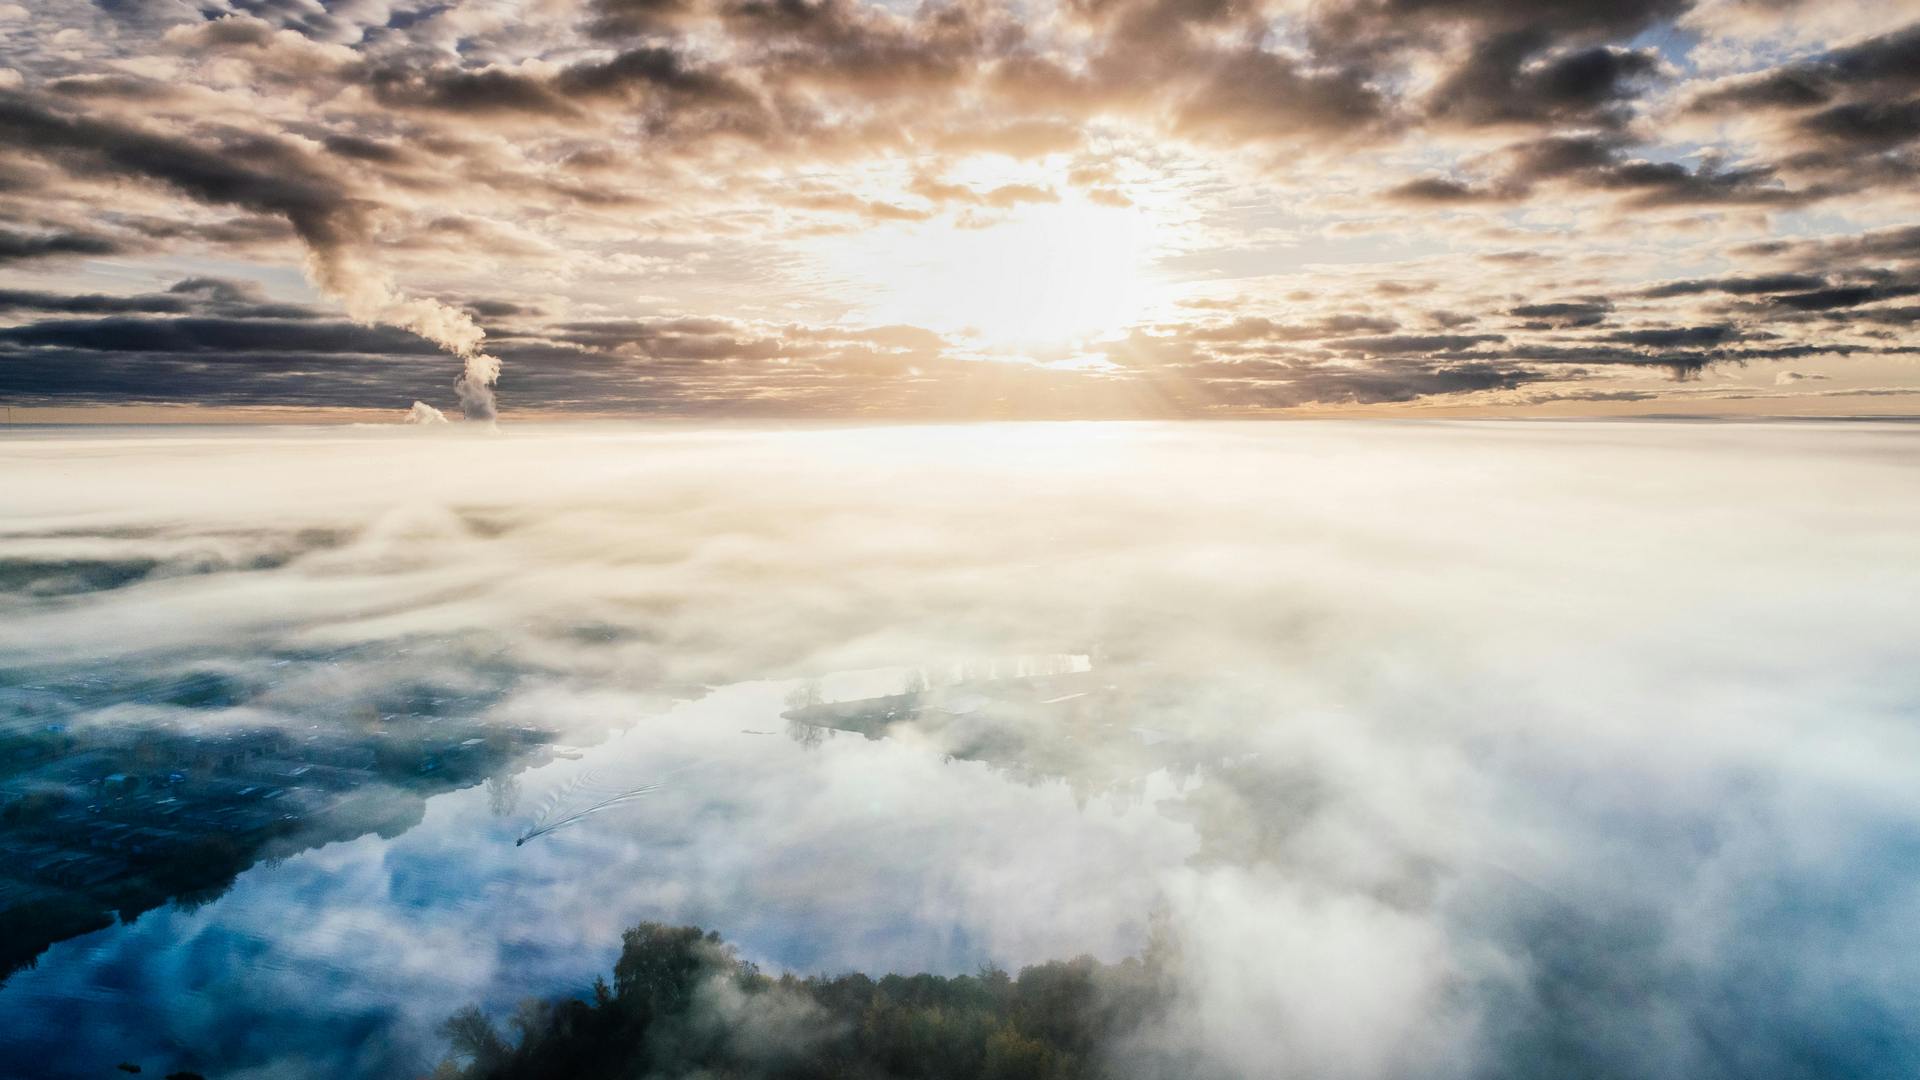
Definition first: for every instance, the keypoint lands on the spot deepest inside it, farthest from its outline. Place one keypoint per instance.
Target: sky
(297, 209)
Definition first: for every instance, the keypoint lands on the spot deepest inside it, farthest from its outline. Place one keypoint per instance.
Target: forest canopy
(683, 1003)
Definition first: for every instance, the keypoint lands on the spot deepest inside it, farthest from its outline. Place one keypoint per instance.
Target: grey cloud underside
(1886, 63)
(1852, 119)
(252, 172)
(212, 342)
(16, 246)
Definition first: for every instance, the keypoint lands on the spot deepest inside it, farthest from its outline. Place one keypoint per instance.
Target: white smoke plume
(423, 413)
(475, 386)
(330, 222)
(370, 296)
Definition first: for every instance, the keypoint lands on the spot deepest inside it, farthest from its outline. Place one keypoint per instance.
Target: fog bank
(1476, 750)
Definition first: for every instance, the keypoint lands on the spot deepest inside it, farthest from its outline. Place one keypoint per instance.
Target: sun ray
(1035, 276)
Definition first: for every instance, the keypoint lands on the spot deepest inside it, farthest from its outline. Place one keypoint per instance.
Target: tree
(804, 696)
(473, 1036)
(661, 966)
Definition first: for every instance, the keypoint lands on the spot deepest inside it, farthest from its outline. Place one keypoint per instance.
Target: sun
(1040, 275)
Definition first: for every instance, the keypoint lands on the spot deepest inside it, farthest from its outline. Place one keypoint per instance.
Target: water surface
(1449, 749)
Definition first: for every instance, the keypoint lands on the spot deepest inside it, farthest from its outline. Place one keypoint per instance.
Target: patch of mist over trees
(683, 1003)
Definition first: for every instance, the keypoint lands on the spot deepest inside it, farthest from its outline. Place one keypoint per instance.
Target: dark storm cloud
(217, 290)
(1650, 184)
(199, 334)
(1244, 356)
(689, 364)
(1681, 351)
(650, 71)
(1330, 385)
(1253, 328)
(1240, 365)
(1883, 64)
(205, 295)
(1550, 68)
(1846, 118)
(1775, 90)
(1496, 36)
(699, 365)
(1607, 165)
(472, 93)
(1498, 86)
(1866, 124)
(628, 18)
(1414, 343)
(1557, 156)
(1543, 67)
(845, 45)
(1671, 337)
(1739, 286)
(677, 99)
(250, 171)
(1899, 244)
(1442, 190)
(1844, 296)
(685, 364)
(112, 86)
(146, 12)
(233, 347)
(1566, 313)
(12, 300)
(17, 246)
(309, 18)
(274, 377)
(1894, 316)
(359, 148)
(864, 58)
(499, 309)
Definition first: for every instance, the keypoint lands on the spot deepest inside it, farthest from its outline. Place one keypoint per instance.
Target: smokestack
(370, 296)
(475, 387)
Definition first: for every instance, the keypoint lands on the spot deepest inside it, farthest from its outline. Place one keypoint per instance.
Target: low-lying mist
(1476, 750)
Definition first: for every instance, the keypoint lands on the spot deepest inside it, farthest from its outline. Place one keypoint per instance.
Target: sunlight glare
(1042, 275)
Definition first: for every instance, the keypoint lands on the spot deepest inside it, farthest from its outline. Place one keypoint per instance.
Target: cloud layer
(1475, 750)
(793, 206)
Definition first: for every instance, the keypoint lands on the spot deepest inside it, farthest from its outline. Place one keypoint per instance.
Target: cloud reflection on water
(1513, 749)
